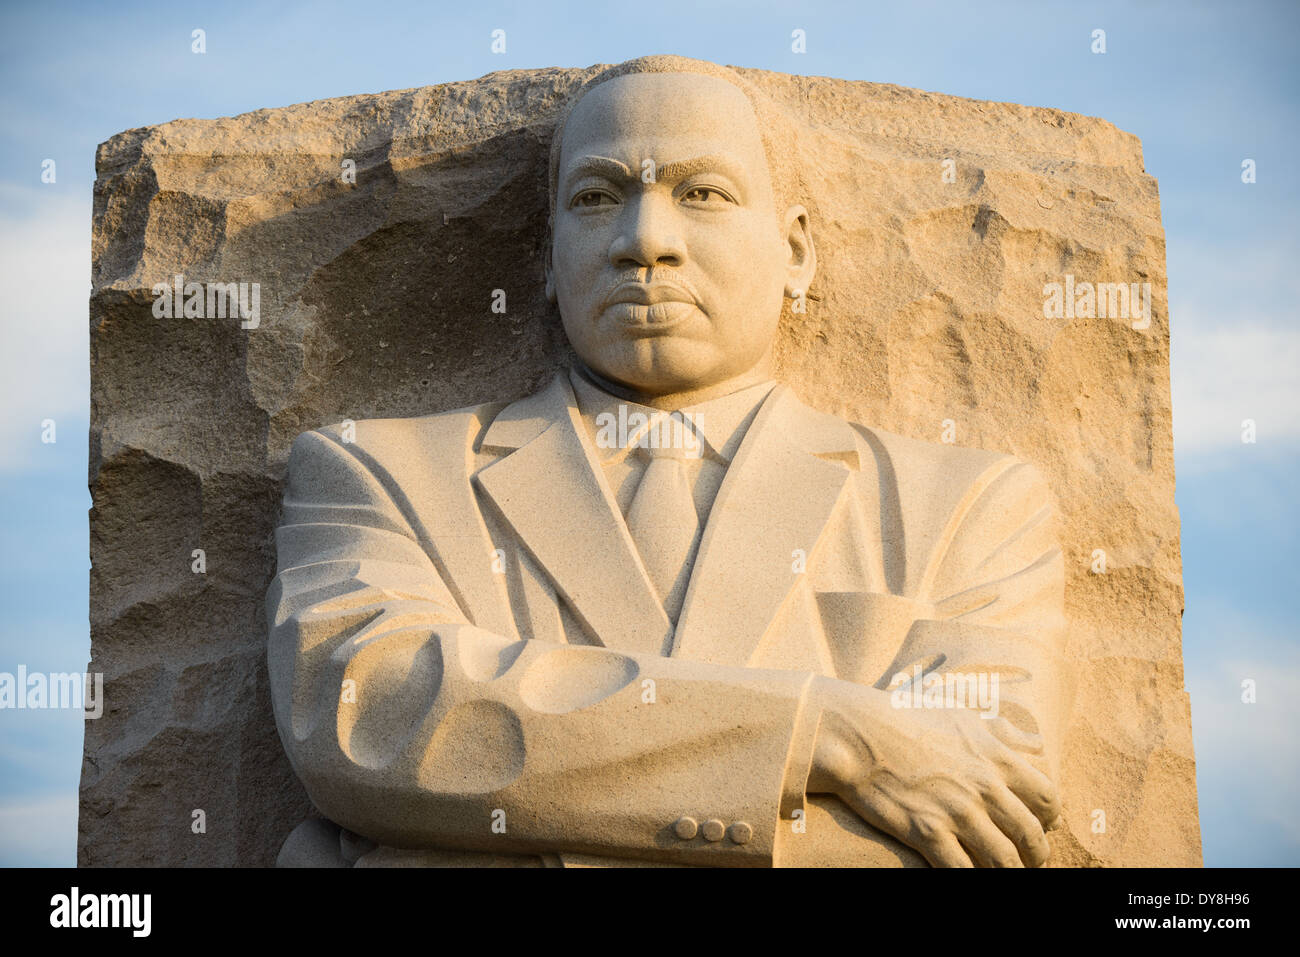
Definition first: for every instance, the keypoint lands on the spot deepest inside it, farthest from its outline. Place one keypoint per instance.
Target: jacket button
(740, 832)
(713, 829)
(686, 828)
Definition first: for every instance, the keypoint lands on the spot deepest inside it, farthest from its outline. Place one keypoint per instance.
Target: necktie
(664, 524)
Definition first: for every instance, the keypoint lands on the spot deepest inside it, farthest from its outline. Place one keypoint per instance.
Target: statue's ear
(801, 266)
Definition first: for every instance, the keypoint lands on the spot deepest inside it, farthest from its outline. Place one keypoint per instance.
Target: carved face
(670, 260)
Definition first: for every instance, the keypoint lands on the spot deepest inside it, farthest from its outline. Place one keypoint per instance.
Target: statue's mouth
(653, 318)
(648, 293)
(651, 307)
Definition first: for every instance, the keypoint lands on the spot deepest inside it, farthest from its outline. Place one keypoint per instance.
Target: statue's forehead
(668, 109)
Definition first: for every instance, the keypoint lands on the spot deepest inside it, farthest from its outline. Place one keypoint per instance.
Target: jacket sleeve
(409, 725)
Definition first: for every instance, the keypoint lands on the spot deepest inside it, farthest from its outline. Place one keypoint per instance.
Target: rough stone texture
(375, 301)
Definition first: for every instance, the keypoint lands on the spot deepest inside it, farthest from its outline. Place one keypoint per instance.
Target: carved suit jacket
(467, 658)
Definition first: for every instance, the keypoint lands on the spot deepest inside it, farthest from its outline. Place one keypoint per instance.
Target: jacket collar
(779, 494)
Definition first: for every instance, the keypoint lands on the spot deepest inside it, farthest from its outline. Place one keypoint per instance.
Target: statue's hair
(778, 133)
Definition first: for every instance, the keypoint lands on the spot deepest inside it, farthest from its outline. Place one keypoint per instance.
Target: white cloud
(1229, 372)
(40, 832)
(44, 323)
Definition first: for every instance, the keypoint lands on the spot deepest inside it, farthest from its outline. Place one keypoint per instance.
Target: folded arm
(952, 752)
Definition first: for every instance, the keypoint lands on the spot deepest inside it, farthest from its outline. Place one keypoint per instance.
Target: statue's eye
(705, 194)
(590, 198)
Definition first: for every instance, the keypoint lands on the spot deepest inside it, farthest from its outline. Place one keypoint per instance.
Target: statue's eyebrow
(680, 169)
(597, 166)
(612, 169)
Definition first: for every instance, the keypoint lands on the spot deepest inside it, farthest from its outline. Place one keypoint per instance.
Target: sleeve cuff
(798, 761)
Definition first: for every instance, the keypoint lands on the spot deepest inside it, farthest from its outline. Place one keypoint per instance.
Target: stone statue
(661, 611)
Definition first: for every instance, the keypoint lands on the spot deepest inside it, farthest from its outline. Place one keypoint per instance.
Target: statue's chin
(661, 365)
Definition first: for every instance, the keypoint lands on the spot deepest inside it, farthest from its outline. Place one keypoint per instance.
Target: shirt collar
(721, 422)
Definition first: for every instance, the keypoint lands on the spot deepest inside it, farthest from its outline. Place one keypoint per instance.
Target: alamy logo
(102, 910)
(977, 690)
(629, 428)
(213, 300)
(37, 691)
(1102, 300)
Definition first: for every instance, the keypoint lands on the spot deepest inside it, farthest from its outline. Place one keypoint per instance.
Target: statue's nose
(648, 234)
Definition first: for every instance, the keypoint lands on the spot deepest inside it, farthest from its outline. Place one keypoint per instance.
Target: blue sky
(1204, 85)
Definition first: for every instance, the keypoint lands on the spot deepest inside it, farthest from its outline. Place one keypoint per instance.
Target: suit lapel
(550, 490)
(774, 504)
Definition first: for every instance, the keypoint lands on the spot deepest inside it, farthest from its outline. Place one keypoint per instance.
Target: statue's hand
(957, 788)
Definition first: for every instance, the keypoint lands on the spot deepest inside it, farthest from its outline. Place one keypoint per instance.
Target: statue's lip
(648, 293)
